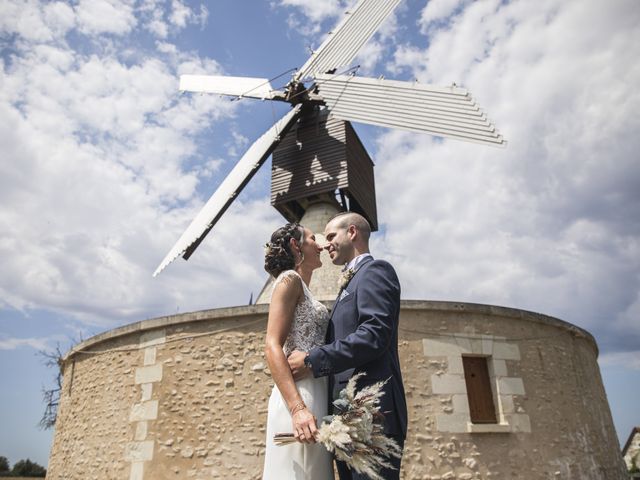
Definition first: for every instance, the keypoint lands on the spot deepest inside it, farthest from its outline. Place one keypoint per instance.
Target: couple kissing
(312, 353)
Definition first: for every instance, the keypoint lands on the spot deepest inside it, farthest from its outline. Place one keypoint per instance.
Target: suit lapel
(360, 266)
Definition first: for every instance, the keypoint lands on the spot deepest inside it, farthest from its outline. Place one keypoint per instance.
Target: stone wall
(186, 397)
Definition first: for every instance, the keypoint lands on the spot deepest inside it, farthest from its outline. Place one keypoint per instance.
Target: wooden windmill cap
(319, 157)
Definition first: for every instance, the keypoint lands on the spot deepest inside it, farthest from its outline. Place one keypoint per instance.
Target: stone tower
(185, 396)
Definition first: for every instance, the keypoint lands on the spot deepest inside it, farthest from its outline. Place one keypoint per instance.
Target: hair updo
(278, 256)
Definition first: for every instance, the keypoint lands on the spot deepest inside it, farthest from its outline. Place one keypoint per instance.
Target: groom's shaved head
(347, 237)
(346, 219)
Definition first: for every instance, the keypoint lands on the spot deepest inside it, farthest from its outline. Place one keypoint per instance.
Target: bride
(296, 322)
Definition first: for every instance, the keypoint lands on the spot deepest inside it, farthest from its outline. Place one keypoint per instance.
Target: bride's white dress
(298, 461)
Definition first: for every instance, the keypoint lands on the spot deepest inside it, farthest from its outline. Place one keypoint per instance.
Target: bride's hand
(304, 426)
(296, 363)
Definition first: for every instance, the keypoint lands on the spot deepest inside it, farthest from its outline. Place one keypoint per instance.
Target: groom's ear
(352, 231)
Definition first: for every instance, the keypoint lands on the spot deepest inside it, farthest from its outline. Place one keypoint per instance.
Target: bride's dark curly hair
(278, 256)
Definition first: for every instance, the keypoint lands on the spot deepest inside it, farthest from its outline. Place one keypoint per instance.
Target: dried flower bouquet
(355, 433)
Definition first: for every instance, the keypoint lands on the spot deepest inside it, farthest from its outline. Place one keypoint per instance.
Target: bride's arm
(281, 311)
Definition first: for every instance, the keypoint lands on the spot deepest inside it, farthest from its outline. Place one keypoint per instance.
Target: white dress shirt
(353, 264)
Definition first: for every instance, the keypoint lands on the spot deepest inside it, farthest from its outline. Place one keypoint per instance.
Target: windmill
(325, 98)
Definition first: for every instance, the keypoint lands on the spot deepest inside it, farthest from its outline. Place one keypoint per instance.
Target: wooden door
(479, 392)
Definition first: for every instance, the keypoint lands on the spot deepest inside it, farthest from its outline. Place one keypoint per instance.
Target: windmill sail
(230, 188)
(442, 111)
(233, 86)
(343, 44)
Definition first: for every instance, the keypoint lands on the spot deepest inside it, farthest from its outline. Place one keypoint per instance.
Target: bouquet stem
(284, 439)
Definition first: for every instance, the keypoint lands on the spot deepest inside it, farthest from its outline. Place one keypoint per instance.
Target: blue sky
(103, 164)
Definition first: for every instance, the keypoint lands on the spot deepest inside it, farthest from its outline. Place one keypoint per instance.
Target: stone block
(139, 451)
(455, 365)
(452, 423)
(144, 411)
(141, 431)
(487, 345)
(460, 403)
(147, 389)
(506, 351)
(149, 374)
(154, 337)
(440, 347)
(510, 386)
(519, 422)
(150, 355)
(499, 367)
(506, 404)
(448, 384)
(464, 344)
(137, 471)
(488, 427)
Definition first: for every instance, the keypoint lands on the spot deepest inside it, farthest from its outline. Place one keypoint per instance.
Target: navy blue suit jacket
(363, 337)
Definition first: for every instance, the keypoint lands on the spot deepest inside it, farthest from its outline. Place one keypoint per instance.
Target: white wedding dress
(298, 461)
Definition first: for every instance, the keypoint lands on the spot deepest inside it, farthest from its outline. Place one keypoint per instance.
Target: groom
(363, 330)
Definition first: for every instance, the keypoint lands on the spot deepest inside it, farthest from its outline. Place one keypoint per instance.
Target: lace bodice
(310, 320)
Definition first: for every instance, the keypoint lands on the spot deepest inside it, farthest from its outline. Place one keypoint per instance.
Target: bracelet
(297, 407)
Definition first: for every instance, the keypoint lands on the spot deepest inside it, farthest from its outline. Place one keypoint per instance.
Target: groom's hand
(296, 363)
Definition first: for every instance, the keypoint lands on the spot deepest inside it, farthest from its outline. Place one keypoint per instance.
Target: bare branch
(51, 396)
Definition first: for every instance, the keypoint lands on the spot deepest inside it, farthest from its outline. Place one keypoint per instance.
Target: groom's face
(339, 244)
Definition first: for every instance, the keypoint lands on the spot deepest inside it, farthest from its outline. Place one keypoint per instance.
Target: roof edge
(634, 430)
(261, 309)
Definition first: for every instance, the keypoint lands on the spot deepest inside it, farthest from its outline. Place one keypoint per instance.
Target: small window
(476, 375)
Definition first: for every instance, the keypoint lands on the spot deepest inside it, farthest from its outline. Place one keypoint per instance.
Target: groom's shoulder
(382, 266)
(381, 262)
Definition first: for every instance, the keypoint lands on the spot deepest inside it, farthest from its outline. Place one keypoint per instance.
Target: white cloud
(550, 223)
(317, 12)
(34, 21)
(237, 144)
(313, 19)
(368, 57)
(97, 183)
(439, 10)
(209, 168)
(168, 17)
(105, 16)
(629, 360)
(157, 25)
(181, 15)
(15, 343)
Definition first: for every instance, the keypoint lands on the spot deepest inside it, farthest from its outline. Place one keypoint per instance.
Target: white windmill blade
(233, 86)
(343, 44)
(230, 188)
(441, 111)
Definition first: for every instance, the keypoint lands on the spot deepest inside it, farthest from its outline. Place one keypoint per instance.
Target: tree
(4, 465)
(27, 468)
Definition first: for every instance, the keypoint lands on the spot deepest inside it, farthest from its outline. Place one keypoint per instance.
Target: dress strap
(291, 274)
(287, 274)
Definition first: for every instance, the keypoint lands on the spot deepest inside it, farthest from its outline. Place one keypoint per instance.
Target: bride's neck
(305, 274)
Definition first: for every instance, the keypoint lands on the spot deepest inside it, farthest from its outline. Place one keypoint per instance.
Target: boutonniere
(346, 277)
